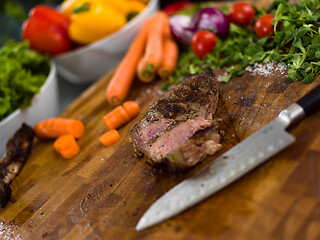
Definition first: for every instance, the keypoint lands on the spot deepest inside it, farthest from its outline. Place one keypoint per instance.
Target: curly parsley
(296, 43)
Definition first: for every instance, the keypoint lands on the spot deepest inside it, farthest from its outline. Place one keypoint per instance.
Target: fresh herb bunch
(296, 43)
(22, 73)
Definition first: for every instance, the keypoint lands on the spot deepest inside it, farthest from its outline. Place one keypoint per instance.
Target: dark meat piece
(169, 130)
(17, 152)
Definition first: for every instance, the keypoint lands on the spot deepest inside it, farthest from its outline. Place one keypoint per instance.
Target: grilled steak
(17, 152)
(180, 127)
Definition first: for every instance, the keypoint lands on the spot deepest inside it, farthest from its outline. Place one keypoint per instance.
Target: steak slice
(17, 153)
(205, 142)
(173, 127)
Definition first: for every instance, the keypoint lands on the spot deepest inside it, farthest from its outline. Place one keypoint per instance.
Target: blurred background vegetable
(179, 24)
(13, 13)
(286, 33)
(175, 6)
(92, 20)
(185, 25)
(203, 42)
(211, 19)
(241, 13)
(22, 73)
(263, 26)
(47, 30)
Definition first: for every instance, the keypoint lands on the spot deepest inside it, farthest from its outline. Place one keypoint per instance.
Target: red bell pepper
(47, 30)
(175, 6)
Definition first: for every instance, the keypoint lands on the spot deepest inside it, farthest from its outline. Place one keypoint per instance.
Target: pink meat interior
(175, 137)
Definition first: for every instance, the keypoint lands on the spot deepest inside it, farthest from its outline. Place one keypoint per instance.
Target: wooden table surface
(103, 191)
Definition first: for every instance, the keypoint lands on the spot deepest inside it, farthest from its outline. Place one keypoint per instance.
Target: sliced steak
(205, 142)
(172, 128)
(17, 153)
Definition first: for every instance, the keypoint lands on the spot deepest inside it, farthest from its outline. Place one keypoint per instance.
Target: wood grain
(103, 192)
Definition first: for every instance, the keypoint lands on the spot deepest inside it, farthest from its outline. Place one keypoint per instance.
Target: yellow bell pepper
(93, 20)
(126, 6)
(67, 7)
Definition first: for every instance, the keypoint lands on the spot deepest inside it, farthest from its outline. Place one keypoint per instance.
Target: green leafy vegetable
(296, 43)
(11, 7)
(22, 73)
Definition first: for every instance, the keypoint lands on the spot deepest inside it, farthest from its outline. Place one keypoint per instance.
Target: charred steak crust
(175, 118)
(196, 95)
(17, 152)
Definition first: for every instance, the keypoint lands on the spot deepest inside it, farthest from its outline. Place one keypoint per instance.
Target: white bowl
(86, 64)
(43, 105)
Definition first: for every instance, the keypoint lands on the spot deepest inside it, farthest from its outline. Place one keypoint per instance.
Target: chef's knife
(233, 164)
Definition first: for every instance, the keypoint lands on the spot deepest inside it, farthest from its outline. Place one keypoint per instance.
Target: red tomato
(263, 26)
(45, 36)
(241, 13)
(203, 42)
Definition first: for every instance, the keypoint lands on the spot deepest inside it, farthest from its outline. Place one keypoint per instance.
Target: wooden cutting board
(103, 192)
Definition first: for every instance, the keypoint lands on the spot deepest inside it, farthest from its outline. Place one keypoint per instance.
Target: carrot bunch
(117, 118)
(153, 52)
(161, 51)
(66, 131)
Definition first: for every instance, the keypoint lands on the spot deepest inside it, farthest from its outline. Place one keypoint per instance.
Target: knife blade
(233, 164)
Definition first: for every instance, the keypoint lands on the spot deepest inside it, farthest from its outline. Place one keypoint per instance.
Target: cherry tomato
(241, 13)
(203, 42)
(263, 26)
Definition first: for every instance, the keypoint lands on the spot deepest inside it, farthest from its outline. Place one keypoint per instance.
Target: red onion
(211, 19)
(180, 28)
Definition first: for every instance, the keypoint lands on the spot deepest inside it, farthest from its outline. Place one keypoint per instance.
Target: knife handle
(311, 101)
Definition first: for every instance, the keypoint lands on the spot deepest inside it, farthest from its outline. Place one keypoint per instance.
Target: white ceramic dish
(43, 105)
(88, 63)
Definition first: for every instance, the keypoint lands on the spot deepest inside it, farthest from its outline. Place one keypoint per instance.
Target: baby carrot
(116, 118)
(122, 79)
(67, 146)
(132, 108)
(109, 137)
(55, 127)
(148, 65)
(170, 56)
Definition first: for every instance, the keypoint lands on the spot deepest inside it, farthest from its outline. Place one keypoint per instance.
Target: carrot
(109, 137)
(166, 26)
(122, 79)
(116, 118)
(148, 65)
(67, 146)
(170, 56)
(132, 108)
(55, 127)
